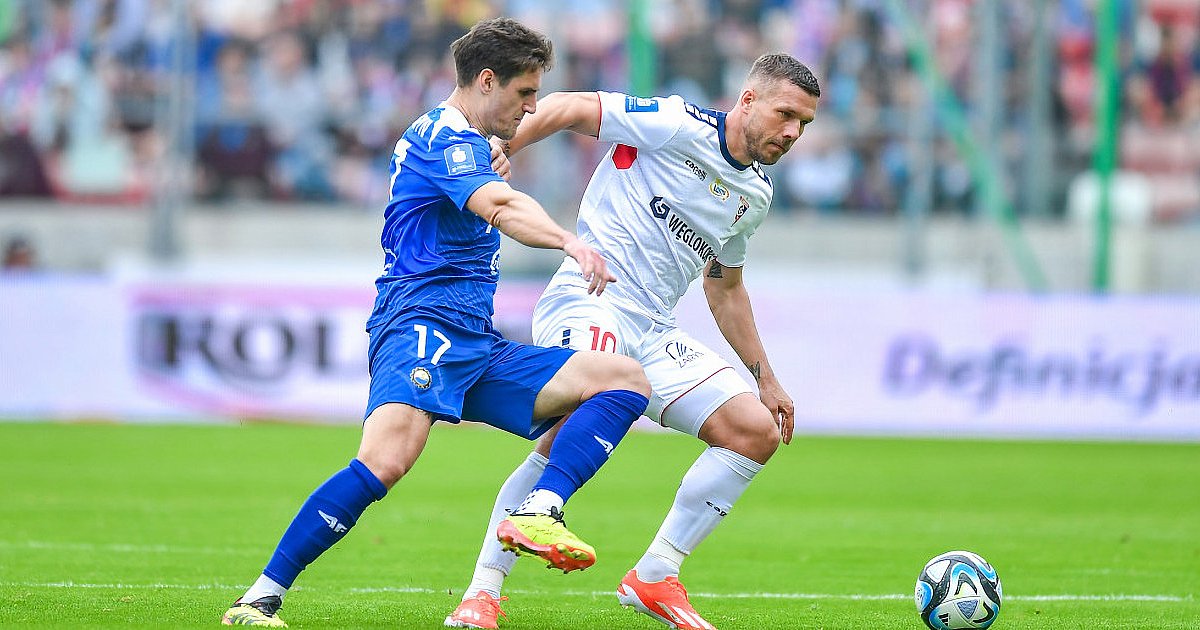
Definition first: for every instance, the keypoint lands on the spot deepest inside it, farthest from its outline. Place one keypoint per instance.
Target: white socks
(540, 502)
(263, 587)
(707, 492)
(494, 562)
(709, 489)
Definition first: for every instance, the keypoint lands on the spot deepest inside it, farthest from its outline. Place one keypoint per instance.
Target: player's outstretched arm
(521, 217)
(730, 305)
(559, 111)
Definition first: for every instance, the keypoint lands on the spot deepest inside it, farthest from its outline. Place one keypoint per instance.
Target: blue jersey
(438, 255)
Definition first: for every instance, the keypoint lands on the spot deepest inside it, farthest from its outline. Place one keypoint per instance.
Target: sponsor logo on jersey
(459, 159)
(701, 173)
(719, 190)
(421, 378)
(682, 354)
(743, 206)
(680, 229)
(635, 104)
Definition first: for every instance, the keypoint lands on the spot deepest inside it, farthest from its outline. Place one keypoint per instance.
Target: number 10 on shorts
(601, 339)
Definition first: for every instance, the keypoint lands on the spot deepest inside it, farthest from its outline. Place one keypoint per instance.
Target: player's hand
(500, 162)
(591, 263)
(771, 393)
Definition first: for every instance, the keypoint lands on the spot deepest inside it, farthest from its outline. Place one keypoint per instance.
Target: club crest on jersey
(459, 159)
(719, 190)
(421, 378)
(743, 206)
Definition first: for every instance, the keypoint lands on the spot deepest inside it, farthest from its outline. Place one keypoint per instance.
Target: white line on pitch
(805, 596)
(847, 596)
(119, 547)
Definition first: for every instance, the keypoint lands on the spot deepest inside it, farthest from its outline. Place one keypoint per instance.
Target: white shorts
(689, 381)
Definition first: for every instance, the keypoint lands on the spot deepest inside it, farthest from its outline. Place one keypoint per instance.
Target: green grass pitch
(163, 526)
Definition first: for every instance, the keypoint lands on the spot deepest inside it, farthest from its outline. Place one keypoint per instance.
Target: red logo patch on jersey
(623, 156)
(743, 206)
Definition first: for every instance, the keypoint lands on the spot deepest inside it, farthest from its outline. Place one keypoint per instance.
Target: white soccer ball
(956, 590)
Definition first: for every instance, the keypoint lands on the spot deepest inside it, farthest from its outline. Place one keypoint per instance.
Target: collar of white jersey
(725, 147)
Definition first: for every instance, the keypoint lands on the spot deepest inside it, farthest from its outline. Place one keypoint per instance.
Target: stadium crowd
(303, 99)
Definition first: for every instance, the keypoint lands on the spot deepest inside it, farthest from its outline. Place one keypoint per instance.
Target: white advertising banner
(855, 362)
(999, 365)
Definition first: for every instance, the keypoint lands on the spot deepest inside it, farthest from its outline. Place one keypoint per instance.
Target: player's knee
(766, 438)
(623, 372)
(386, 469)
(758, 436)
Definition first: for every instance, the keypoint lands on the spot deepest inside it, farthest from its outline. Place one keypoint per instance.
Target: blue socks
(582, 446)
(587, 437)
(330, 511)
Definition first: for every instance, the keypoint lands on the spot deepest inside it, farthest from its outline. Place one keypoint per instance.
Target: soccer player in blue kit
(433, 353)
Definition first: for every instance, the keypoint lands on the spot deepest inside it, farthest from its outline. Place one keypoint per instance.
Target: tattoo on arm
(716, 270)
(755, 370)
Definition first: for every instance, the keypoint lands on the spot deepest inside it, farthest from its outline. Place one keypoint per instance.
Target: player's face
(778, 113)
(511, 101)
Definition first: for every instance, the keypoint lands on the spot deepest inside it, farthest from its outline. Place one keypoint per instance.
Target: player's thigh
(689, 380)
(426, 362)
(505, 395)
(586, 374)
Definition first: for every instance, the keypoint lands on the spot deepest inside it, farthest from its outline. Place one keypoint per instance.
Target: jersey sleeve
(458, 164)
(734, 252)
(644, 123)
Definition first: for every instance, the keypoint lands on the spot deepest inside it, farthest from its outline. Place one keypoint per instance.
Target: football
(958, 589)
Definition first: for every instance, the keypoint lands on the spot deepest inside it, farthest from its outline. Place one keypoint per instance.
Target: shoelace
(678, 586)
(268, 605)
(492, 602)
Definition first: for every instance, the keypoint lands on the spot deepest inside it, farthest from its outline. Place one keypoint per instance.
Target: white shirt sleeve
(644, 123)
(733, 254)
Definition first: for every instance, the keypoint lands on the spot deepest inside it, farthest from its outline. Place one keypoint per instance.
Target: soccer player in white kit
(676, 197)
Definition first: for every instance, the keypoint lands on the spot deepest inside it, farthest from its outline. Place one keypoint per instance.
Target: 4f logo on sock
(608, 446)
(333, 523)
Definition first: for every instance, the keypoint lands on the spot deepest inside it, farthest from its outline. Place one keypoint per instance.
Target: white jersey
(666, 199)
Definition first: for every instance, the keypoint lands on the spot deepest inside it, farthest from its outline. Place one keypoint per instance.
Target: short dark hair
(782, 66)
(505, 45)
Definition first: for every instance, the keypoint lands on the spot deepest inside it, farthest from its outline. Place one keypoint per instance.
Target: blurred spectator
(18, 254)
(821, 173)
(294, 111)
(1170, 73)
(304, 99)
(232, 149)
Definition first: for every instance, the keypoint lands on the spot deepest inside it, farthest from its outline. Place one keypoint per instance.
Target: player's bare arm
(519, 216)
(561, 111)
(729, 302)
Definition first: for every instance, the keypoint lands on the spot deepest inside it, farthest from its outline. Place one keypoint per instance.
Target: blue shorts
(457, 371)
